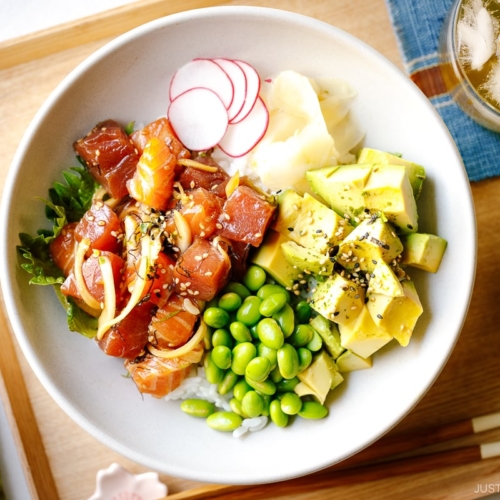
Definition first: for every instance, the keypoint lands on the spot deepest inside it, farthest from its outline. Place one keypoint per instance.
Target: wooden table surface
(468, 386)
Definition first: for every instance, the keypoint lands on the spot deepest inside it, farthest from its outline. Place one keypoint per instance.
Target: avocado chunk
(320, 376)
(270, 257)
(415, 172)
(424, 251)
(372, 241)
(350, 362)
(308, 222)
(338, 299)
(397, 315)
(307, 260)
(388, 190)
(341, 187)
(362, 336)
(329, 332)
(383, 280)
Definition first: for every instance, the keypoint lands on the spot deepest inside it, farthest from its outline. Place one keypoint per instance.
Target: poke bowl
(351, 104)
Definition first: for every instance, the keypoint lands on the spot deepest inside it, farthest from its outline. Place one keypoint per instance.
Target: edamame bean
(197, 407)
(222, 337)
(288, 361)
(305, 358)
(221, 356)
(225, 421)
(252, 404)
(270, 289)
(267, 386)
(253, 332)
(235, 406)
(207, 339)
(272, 304)
(313, 410)
(213, 373)
(275, 374)
(267, 352)
(230, 301)
(291, 403)
(254, 278)
(303, 312)
(239, 288)
(241, 356)
(267, 401)
(228, 382)
(258, 369)
(316, 343)
(270, 333)
(301, 336)
(240, 331)
(216, 317)
(248, 312)
(285, 317)
(287, 385)
(278, 416)
(240, 389)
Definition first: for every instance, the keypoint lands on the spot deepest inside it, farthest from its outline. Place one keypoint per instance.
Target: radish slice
(199, 118)
(252, 90)
(241, 137)
(237, 76)
(202, 73)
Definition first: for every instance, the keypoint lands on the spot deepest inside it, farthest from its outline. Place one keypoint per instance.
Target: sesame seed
(101, 223)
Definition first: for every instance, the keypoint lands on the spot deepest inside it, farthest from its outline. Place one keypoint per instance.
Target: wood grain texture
(468, 386)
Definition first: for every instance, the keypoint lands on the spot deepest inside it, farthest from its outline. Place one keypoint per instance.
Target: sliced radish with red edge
(199, 118)
(243, 136)
(252, 89)
(202, 73)
(238, 78)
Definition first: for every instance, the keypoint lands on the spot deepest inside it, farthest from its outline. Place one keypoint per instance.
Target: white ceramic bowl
(128, 80)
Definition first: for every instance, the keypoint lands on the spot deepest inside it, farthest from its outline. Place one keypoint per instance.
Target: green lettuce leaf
(78, 320)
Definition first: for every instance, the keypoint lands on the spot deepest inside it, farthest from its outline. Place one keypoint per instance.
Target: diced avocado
(373, 240)
(329, 332)
(424, 251)
(338, 298)
(383, 280)
(362, 336)
(342, 188)
(416, 173)
(306, 259)
(270, 257)
(350, 362)
(308, 222)
(319, 376)
(389, 190)
(397, 315)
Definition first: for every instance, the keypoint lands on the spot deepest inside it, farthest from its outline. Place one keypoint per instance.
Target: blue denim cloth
(417, 24)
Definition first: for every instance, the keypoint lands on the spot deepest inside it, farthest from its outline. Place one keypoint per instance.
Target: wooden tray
(61, 460)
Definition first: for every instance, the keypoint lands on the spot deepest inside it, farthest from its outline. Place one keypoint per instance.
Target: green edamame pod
(240, 331)
(316, 343)
(240, 389)
(248, 313)
(230, 301)
(288, 361)
(222, 337)
(270, 333)
(252, 404)
(221, 356)
(254, 278)
(301, 336)
(272, 304)
(278, 416)
(197, 407)
(303, 312)
(291, 403)
(216, 317)
(313, 410)
(258, 369)
(228, 382)
(305, 358)
(239, 288)
(225, 421)
(270, 289)
(285, 318)
(241, 356)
